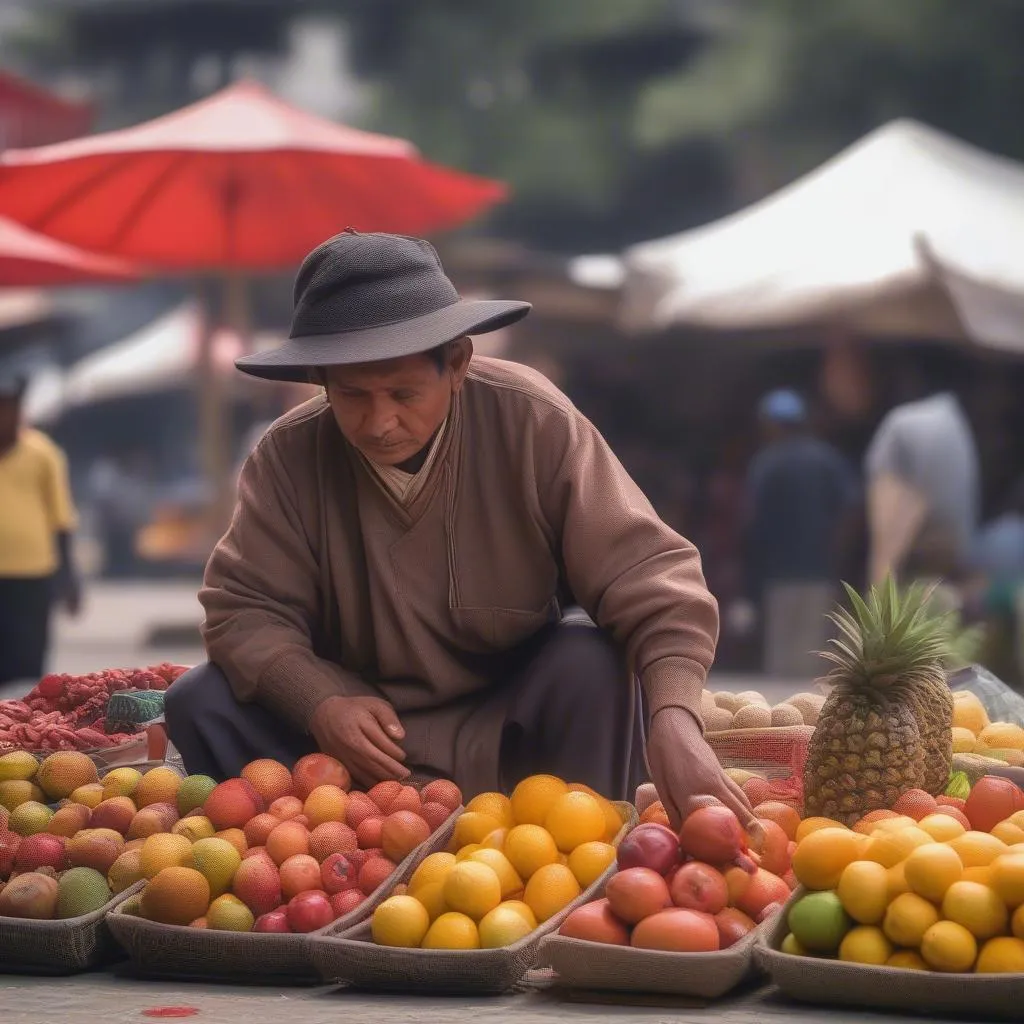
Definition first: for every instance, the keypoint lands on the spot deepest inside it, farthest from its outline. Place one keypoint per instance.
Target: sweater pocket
(501, 629)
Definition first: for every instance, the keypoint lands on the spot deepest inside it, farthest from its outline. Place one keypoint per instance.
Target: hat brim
(293, 360)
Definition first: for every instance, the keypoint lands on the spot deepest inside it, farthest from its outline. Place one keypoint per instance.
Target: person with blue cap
(37, 519)
(802, 497)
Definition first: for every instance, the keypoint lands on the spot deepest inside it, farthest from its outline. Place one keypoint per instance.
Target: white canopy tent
(908, 232)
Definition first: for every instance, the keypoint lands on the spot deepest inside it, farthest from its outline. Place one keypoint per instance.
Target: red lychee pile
(696, 892)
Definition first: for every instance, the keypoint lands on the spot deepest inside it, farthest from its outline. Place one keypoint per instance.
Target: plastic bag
(1002, 703)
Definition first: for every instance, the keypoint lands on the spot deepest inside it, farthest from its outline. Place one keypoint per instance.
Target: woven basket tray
(777, 753)
(166, 950)
(836, 983)
(351, 956)
(597, 966)
(60, 947)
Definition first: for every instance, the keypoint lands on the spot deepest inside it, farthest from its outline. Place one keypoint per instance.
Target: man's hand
(362, 733)
(69, 593)
(684, 769)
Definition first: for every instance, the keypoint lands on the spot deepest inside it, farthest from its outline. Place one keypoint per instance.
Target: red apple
(272, 921)
(339, 874)
(650, 846)
(698, 886)
(309, 911)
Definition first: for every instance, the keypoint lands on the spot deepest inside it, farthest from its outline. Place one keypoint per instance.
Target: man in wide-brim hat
(394, 586)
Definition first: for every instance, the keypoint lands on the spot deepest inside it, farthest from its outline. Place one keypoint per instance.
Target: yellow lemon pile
(513, 864)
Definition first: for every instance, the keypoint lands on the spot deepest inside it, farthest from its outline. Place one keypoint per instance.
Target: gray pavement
(116, 629)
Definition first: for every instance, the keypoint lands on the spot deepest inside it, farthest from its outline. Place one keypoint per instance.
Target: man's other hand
(364, 734)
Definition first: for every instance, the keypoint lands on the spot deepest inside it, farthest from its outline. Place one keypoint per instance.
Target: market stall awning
(907, 232)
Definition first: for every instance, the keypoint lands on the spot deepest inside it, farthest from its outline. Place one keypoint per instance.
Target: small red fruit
(636, 893)
(273, 921)
(698, 886)
(309, 911)
(343, 903)
(339, 874)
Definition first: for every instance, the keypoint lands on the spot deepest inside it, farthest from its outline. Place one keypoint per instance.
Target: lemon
(29, 818)
(589, 861)
(467, 851)
(1002, 955)
(195, 828)
(909, 916)
(472, 888)
(400, 921)
(471, 827)
(228, 913)
(452, 931)
(529, 848)
(864, 891)
(821, 856)
(977, 849)
(15, 792)
(17, 766)
(494, 805)
(534, 797)
(889, 848)
(550, 890)
(193, 791)
(120, 782)
(977, 908)
(511, 883)
(433, 868)
(930, 870)
(505, 925)
(941, 827)
(575, 819)
(792, 945)
(865, 944)
(495, 840)
(1007, 874)
(907, 959)
(431, 895)
(522, 909)
(217, 860)
(948, 946)
(165, 850)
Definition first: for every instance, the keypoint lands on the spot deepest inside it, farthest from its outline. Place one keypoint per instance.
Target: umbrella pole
(213, 432)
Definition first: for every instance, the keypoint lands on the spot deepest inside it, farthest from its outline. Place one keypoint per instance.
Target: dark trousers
(570, 709)
(25, 606)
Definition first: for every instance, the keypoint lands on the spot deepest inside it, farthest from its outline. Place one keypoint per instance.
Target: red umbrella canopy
(29, 260)
(238, 181)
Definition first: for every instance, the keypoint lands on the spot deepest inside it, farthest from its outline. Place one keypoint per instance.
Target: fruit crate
(599, 967)
(350, 956)
(69, 946)
(776, 753)
(202, 954)
(838, 983)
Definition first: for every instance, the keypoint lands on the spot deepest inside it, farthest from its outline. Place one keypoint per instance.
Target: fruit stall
(885, 871)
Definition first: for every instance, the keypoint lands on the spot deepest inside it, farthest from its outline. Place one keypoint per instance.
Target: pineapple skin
(866, 750)
(935, 719)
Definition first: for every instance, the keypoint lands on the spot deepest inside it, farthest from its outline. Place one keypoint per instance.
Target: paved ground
(115, 630)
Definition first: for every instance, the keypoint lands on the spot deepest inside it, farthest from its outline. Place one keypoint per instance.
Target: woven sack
(167, 950)
(353, 958)
(598, 966)
(837, 983)
(777, 753)
(60, 947)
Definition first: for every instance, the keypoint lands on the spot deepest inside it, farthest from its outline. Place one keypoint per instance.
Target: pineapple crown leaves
(889, 637)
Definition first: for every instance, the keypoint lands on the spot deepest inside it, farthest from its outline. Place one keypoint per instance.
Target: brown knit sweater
(325, 585)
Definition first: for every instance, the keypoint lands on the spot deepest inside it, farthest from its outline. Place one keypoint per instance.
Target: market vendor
(404, 581)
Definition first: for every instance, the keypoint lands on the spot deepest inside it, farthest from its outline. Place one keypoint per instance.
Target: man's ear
(458, 360)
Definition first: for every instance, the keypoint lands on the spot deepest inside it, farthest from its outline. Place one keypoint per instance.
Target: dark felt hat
(362, 298)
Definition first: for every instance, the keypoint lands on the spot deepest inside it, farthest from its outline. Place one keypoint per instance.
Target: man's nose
(382, 418)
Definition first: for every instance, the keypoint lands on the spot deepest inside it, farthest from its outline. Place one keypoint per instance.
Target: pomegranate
(345, 902)
(309, 910)
(595, 922)
(762, 889)
(338, 873)
(650, 846)
(992, 800)
(637, 893)
(677, 930)
(713, 834)
(698, 886)
(775, 856)
(732, 926)
(272, 921)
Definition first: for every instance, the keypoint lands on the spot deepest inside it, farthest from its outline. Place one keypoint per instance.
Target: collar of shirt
(405, 486)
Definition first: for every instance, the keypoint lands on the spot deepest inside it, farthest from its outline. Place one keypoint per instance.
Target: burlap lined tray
(60, 947)
(166, 950)
(837, 983)
(599, 967)
(351, 957)
(779, 752)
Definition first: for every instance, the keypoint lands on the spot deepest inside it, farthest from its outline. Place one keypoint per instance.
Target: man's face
(10, 415)
(390, 410)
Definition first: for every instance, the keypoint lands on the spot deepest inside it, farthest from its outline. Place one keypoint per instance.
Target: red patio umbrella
(238, 181)
(31, 260)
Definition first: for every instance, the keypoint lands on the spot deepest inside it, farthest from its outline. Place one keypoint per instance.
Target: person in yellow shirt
(37, 520)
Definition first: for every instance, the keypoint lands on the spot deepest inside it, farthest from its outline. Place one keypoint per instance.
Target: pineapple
(886, 725)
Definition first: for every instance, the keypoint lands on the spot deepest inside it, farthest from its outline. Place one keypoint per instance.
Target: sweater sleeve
(262, 601)
(634, 575)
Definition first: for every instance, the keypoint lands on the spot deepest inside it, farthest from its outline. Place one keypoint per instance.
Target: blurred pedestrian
(37, 520)
(802, 501)
(923, 490)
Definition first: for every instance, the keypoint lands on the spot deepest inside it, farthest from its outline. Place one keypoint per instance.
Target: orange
(175, 896)
(897, 824)
(977, 849)
(467, 851)
(325, 803)
(574, 819)
(218, 860)
(529, 848)
(269, 778)
(908, 960)
(193, 828)
(865, 944)
(120, 782)
(931, 869)
(896, 879)
(907, 918)
(550, 890)
(589, 861)
(88, 795)
(786, 817)
(511, 883)
(433, 868)
(165, 850)
(534, 797)
(863, 891)
(866, 823)
(158, 786)
(1017, 922)
(494, 805)
(495, 840)
(400, 921)
(1007, 874)
(431, 895)
(235, 836)
(473, 827)
(948, 946)
(981, 875)
(60, 774)
(228, 913)
(452, 931)
(1002, 955)
(612, 818)
(505, 924)
(941, 827)
(821, 856)
(889, 848)
(809, 825)
(125, 871)
(1008, 832)
(472, 889)
(977, 908)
